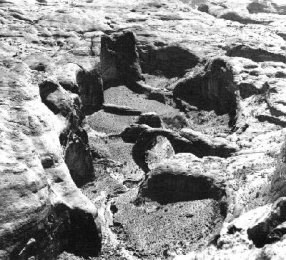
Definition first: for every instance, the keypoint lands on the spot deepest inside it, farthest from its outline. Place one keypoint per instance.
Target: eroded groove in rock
(59, 100)
(120, 110)
(255, 54)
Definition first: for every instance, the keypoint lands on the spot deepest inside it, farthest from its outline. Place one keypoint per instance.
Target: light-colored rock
(40, 202)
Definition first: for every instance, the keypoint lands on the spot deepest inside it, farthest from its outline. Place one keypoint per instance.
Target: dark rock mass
(119, 59)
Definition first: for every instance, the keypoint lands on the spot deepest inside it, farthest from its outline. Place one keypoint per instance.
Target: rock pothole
(181, 178)
(212, 88)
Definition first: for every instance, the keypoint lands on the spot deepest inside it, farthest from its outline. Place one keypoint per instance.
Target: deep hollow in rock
(170, 61)
(83, 236)
(169, 187)
(181, 178)
(63, 229)
(271, 228)
(211, 89)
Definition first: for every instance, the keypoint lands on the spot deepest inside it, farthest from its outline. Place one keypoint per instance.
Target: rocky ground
(142, 129)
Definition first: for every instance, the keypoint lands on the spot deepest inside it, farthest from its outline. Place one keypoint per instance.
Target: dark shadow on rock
(120, 110)
(255, 54)
(83, 236)
(90, 90)
(212, 88)
(271, 228)
(119, 59)
(170, 61)
(63, 229)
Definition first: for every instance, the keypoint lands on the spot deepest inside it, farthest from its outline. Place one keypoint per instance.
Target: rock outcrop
(59, 101)
(214, 73)
(42, 211)
(119, 59)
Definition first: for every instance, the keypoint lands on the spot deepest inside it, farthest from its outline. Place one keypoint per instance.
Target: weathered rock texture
(42, 211)
(187, 141)
(214, 74)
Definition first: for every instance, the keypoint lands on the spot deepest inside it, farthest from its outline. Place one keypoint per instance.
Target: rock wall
(42, 211)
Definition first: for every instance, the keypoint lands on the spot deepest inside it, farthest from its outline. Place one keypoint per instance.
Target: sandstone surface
(159, 122)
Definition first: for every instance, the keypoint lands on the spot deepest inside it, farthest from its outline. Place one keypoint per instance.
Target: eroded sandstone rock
(42, 211)
(187, 141)
(73, 138)
(119, 59)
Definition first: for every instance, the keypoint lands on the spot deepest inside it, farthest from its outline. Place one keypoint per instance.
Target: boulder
(271, 227)
(161, 149)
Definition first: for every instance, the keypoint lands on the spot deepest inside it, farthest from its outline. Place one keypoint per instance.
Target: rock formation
(119, 59)
(142, 129)
(42, 211)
